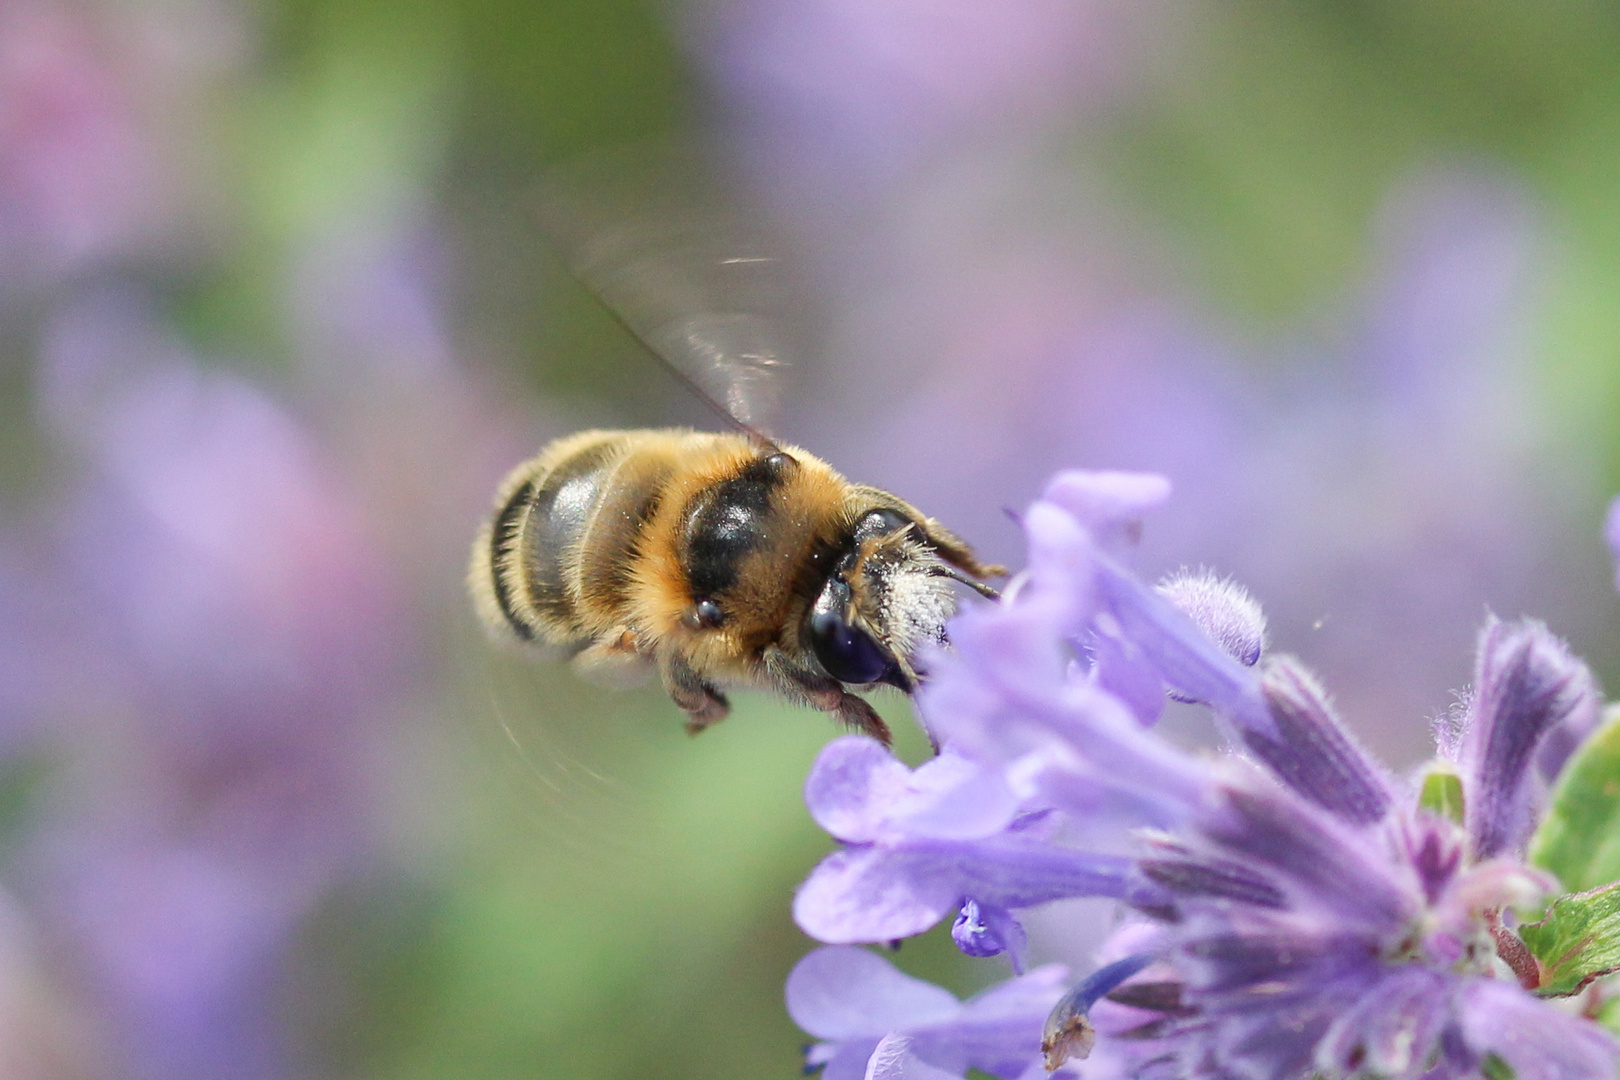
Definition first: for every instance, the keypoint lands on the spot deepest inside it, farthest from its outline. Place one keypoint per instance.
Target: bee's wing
(672, 251)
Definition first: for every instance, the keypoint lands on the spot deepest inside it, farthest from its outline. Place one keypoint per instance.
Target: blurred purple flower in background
(100, 147)
(240, 643)
(75, 170)
(1296, 910)
(853, 94)
(215, 640)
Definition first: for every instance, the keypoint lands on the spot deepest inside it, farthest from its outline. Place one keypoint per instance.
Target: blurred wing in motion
(669, 248)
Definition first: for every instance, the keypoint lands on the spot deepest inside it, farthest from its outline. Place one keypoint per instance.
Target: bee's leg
(825, 693)
(613, 660)
(702, 702)
(854, 712)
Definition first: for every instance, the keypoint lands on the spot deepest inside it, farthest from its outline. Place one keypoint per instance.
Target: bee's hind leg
(827, 694)
(613, 660)
(702, 702)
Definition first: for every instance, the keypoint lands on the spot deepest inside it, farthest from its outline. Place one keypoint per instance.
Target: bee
(713, 559)
(718, 562)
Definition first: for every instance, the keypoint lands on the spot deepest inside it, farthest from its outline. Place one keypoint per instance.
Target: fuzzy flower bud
(1528, 689)
(1222, 609)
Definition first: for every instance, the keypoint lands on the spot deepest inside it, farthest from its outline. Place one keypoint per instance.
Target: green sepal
(1494, 1067)
(1442, 792)
(1579, 840)
(1578, 940)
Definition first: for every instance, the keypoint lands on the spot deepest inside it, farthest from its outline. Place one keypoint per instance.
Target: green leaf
(1576, 941)
(1580, 838)
(1442, 792)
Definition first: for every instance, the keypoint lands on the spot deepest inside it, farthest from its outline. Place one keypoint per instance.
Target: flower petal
(998, 1031)
(1062, 564)
(842, 993)
(1537, 1040)
(867, 894)
(877, 893)
(1311, 852)
(1559, 744)
(1119, 667)
(1109, 504)
(952, 798)
(849, 1061)
(1390, 1031)
(893, 1060)
(1214, 878)
(851, 787)
(1112, 754)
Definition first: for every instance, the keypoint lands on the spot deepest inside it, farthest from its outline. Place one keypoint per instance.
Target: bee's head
(889, 594)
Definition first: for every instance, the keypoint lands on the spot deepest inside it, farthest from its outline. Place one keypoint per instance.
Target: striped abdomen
(554, 563)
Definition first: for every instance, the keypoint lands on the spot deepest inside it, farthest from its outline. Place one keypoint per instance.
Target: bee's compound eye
(848, 654)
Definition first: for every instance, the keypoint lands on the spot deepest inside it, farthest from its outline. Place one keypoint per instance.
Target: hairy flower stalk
(1291, 910)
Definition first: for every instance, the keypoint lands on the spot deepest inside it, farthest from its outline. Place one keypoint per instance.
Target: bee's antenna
(986, 591)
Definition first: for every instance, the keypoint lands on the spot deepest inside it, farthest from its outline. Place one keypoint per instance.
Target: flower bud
(1222, 609)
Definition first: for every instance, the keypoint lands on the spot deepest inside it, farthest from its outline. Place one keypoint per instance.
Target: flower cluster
(1291, 909)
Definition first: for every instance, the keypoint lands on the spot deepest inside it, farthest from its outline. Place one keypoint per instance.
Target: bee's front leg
(701, 700)
(825, 693)
(852, 711)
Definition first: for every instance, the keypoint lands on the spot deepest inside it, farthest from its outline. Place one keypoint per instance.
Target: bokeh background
(275, 316)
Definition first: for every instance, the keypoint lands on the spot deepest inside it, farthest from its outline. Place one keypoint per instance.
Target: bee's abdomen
(491, 557)
(559, 513)
(554, 565)
(606, 560)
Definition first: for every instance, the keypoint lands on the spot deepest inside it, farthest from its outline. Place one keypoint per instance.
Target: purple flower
(916, 845)
(1296, 911)
(874, 1021)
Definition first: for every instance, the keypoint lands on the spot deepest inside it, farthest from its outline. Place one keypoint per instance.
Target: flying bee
(719, 562)
(713, 559)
